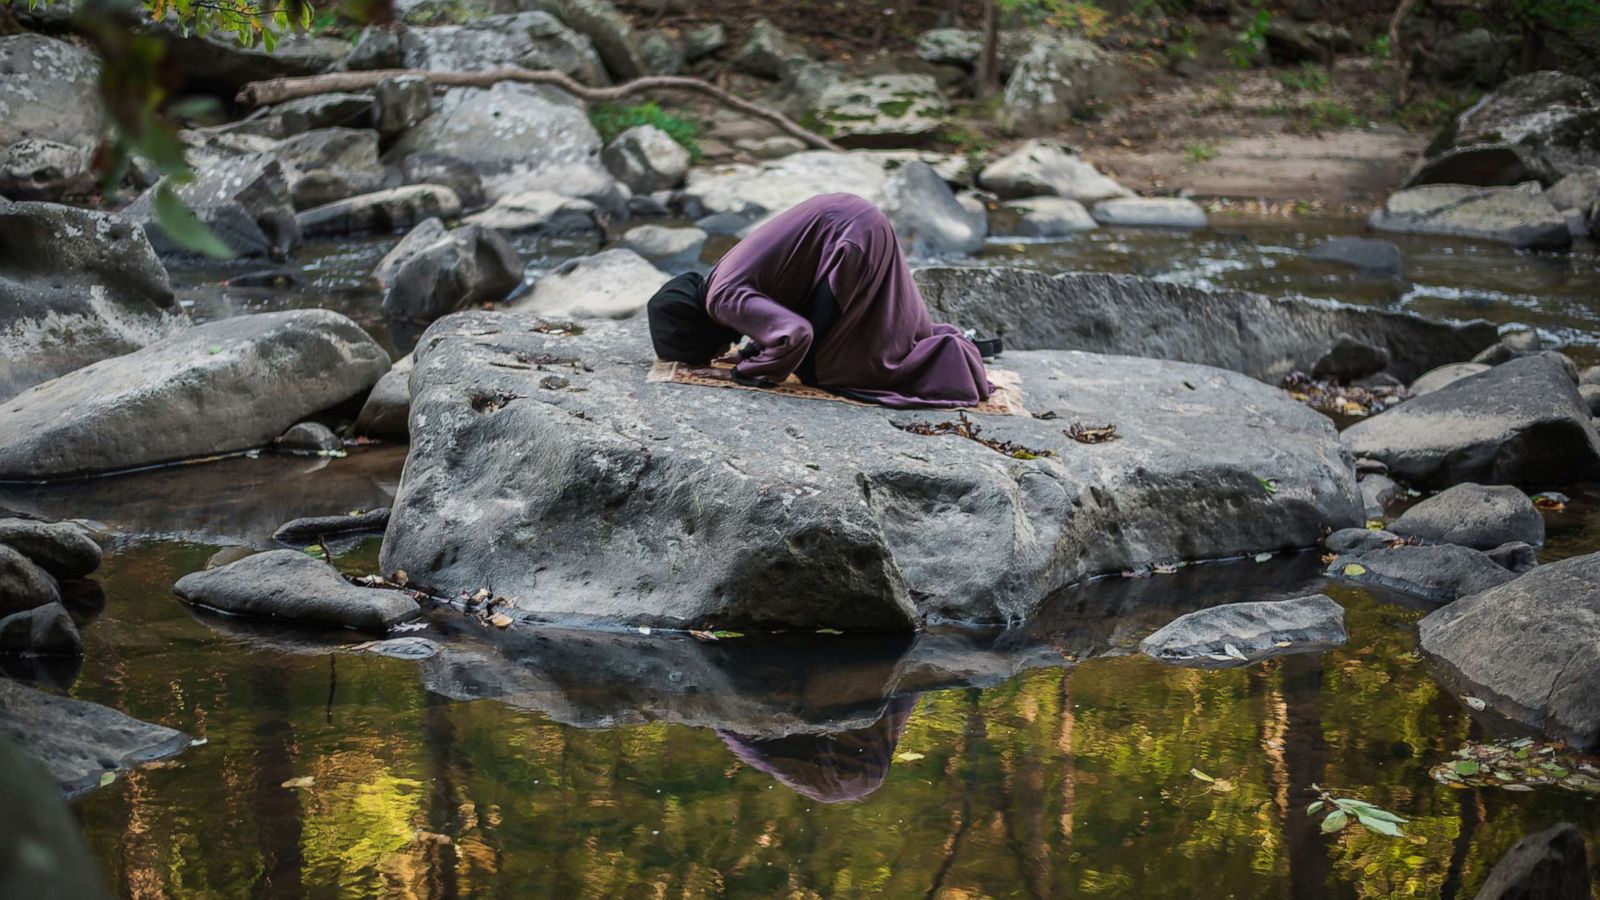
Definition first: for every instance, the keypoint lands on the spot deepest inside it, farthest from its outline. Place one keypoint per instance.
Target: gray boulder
(611, 284)
(671, 249)
(532, 40)
(395, 209)
(80, 742)
(1476, 56)
(539, 212)
(224, 386)
(1370, 255)
(63, 549)
(507, 132)
(1046, 168)
(1358, 540)
(42, 855)
(1517, 216)
(895, 110)
(51, 117)
(1262, 337)
(307, 438)
(289, 586)
(699, 43)
(245, 201)
(220, 62)
(1434, 379)
(1591, 395)
(330, 164)
(1051, 217)
(1550, 865)
(23, 585)
(1515, 556)
(1473, 515)
(376, 47)
(1437, 574)
(1157, 212)
(1536, 127)
(45, 630)
(607, 28)
(400, 104)
(926, 215)
(337, 110)
(76, 287)
(433, 272)
(34, 169)
(661, 53)
(1253, 631)
(1527, 648)
(388, 407)
(1520, 423)
(1350, 359)
(1377, 492)
(962, 47)
(846, 520)
(1579, 192)
(1061, 77)
(646, 159)
(768, 52)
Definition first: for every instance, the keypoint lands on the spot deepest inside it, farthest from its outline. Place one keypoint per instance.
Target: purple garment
(883, 347)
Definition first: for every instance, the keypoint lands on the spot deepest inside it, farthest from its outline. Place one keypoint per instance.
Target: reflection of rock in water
(230, 501)
(831, 767)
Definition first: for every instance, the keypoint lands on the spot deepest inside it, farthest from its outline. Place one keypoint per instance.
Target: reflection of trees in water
(831, 767)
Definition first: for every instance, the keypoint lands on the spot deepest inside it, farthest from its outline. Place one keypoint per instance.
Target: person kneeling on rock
(823, 293)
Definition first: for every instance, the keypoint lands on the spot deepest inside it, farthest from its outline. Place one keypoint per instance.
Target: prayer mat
(1005, 401)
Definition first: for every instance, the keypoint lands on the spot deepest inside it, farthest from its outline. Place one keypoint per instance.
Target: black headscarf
(680, 328)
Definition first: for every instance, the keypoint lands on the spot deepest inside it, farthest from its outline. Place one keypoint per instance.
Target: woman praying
(823, 292)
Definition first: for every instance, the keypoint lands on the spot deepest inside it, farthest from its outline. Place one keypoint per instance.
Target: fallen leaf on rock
(107, 777)
(1354, 570)
(500, 620)
(1091, 434)
(1551, 501)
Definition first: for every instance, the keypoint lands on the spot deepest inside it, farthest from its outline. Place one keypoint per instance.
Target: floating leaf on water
(829, 631)
(1519, 788)
(908, 756)
(1475, 703)
(1315, 807)
(1381, 826)
(1263, 557)
(303, 781)
(1202, 776)
(644, 629)
(722, 634)
(1467, 767)
(107, 777)
(1354, 570)
(1335, 821)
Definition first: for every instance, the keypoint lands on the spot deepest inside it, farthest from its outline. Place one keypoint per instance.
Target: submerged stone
(1436, 574)
(1235, 634)
(620, 501)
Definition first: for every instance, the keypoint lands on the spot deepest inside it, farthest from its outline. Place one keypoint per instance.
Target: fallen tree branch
(277, 90)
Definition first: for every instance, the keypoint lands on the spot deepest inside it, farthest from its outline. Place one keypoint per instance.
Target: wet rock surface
(843, 518)
(1436, 574)
(1550, 865)
(1473, 515)
(80, 741)
(76, 287)
(1527, 648)
(432, 271)
(63, 549)
(291, 587)
(1249, 333)
(1047, 168)
(42, 631)
(228, 385)
(23, 585)
(245, 201)
(386, 409)
(646, 159)
(1241, 633)
(1520, 423)
(313, 528)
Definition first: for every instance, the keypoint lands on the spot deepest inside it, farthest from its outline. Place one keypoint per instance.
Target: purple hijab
(883, 347)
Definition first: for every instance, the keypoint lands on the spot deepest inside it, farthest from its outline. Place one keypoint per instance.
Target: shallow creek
(1046, 761)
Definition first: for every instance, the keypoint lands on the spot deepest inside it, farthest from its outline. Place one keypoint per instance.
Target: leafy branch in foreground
(1342, 811)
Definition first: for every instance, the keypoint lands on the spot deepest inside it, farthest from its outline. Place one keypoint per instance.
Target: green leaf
(1354, 570)
(1372, 823)
(183, 227)
(1467, 767)
(1334, 822)
(1202, 776)
(1268, 484)
(727, 634)
(107, 777)
(1315, 807)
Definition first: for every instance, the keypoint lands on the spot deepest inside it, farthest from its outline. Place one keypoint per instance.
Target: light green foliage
(1341, 812)
(611, 120)
(1310, 78)
(1252, 42)
(1199, 152)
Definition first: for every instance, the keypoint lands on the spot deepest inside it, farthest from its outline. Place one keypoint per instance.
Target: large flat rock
(224, 386)
(597, 498)
(1260, 336)
(80, 741)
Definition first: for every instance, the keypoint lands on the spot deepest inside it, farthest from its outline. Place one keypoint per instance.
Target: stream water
(1047, 761)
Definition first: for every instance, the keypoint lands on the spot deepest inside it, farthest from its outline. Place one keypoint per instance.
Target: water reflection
(831, 767)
